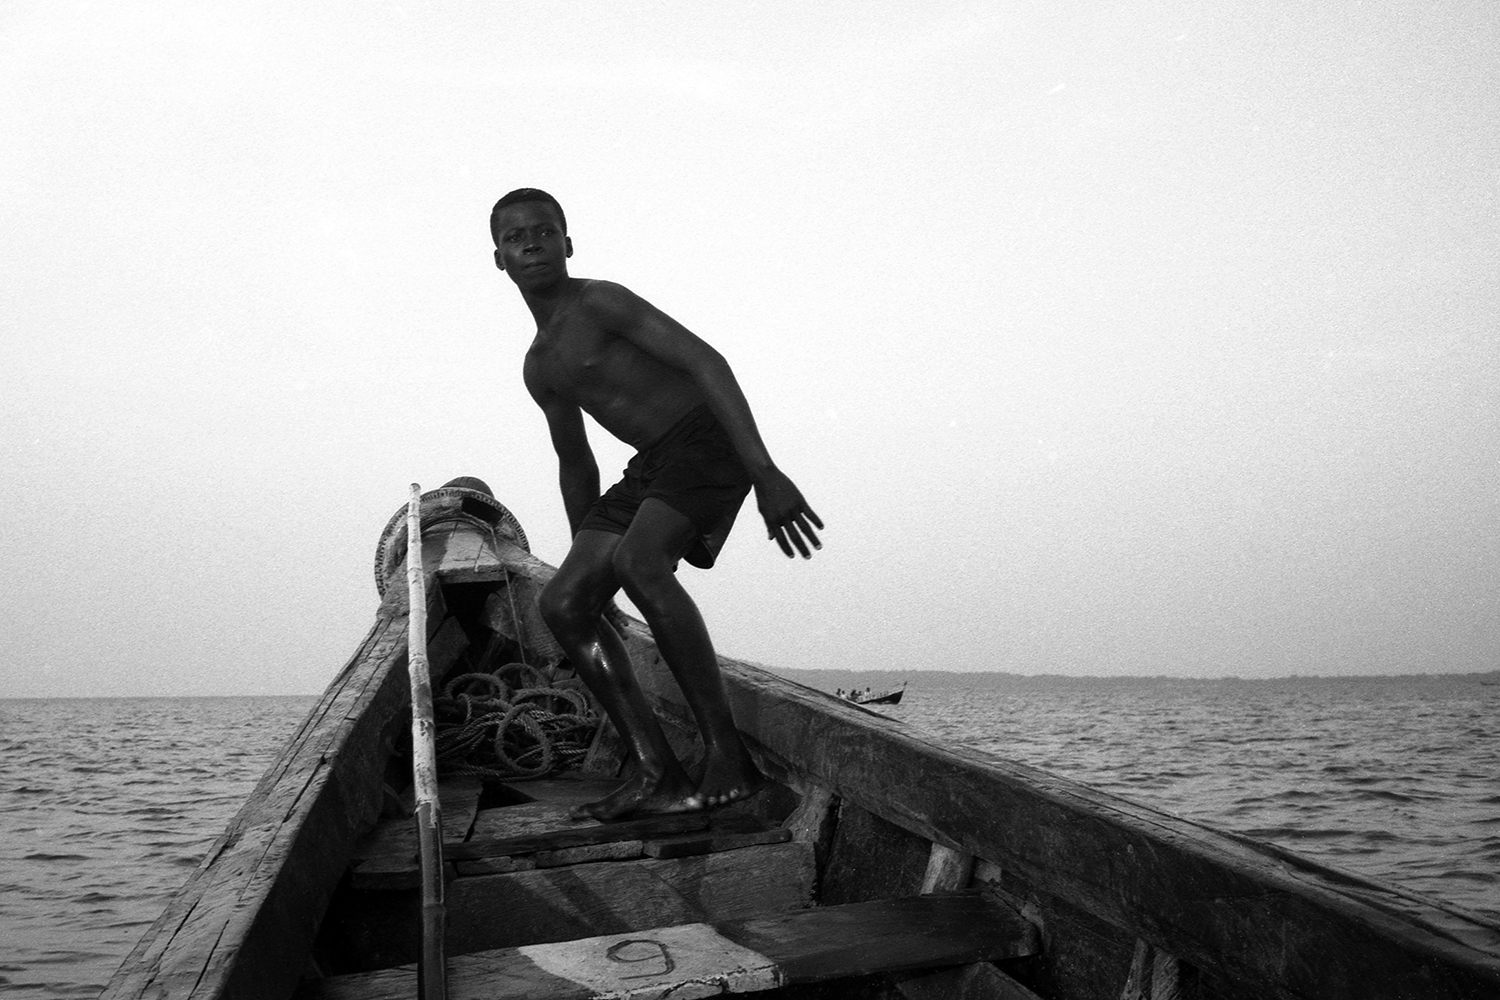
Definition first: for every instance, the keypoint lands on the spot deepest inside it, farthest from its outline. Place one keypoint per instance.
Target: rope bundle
(513, 723)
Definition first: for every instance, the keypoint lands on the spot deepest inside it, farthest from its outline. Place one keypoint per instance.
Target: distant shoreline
(830, 679)
(915, 680)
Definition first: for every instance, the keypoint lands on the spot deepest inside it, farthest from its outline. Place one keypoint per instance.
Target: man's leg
(572, 604)
(644, 562)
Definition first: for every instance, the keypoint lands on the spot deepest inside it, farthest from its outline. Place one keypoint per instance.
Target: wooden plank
(525, 819)
(1085, 956)
(453, 550)
(947, 870)
(529, 824)
(578, 836)
(541, 830)
(460, 805)
(978, 981)
(569, 789)
(885, 935)
(689, 960)
(558, 904)
(534, 905)
(1136, 983)
(244, 923)
(871, 858)
(814, 820)
(621, 850)
(772, 878)
(1155, 975)
(712, 841)
(809, 946)
(458, 799)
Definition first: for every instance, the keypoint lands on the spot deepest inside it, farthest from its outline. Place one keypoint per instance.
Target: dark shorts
(694, 469)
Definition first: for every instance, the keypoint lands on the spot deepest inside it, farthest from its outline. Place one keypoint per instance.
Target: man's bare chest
(570, 361)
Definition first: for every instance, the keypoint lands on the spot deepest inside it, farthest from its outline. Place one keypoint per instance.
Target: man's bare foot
(640, 795)
(726, 780)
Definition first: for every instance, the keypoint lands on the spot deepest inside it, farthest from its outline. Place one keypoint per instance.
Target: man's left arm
(789, 519)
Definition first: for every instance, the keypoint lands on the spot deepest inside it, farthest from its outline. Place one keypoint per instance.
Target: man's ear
(567, 242)
(500, 261)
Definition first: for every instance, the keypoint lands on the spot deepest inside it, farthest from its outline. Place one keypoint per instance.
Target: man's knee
(563, 608)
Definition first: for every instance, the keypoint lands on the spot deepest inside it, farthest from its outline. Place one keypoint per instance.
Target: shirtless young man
(645, 378)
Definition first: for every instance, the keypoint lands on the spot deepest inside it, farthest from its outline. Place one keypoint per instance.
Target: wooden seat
(540, 834)
(738, 956)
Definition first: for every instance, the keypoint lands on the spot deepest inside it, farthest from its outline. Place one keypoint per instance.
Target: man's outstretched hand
(789, 520)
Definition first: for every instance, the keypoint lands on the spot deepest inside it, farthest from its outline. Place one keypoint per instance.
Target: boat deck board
(734, 956)
(389, 852)
(540, 834)
(529, 874)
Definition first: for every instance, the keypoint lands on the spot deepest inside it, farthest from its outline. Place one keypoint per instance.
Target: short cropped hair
(522, 195)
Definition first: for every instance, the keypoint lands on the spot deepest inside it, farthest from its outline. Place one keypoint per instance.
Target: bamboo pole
(431, 973)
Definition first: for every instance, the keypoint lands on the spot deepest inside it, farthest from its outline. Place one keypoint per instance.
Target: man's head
(521, 195)
(531, 239)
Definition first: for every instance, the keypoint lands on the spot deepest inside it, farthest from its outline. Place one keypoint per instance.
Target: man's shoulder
(607, 298)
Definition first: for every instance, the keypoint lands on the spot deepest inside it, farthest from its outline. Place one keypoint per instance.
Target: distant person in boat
(602, 350)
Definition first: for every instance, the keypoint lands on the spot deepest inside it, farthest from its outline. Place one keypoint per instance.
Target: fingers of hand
(795, 528)
(806, 529)
(796, 532)
(780, 538)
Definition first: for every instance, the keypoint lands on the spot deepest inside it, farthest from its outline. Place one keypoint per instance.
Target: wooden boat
(881, 863)
(892, 697)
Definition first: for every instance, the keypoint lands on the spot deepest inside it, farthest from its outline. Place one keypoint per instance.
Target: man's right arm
(577, 472)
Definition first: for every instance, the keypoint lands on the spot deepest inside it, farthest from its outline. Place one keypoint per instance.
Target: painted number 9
(636, 950)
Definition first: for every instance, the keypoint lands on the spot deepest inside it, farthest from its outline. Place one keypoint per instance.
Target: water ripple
(98, 829)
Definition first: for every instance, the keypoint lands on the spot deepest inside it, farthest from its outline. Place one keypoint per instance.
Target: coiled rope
(513, 723)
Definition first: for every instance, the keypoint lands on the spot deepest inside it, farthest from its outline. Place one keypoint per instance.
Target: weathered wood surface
(577, 836)
(1246, 911)
(1156, 975)
(977, 981)
(808, 946)
(620, 850)
(871, 858)
(526, 819)
(719, 837)
(766, 879)
(531, 906)
(243, 925)
(386, 858)
(540, 834)
(947, 870)
(559, 904)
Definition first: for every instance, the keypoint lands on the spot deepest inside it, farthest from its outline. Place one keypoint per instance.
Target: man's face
(532, 248)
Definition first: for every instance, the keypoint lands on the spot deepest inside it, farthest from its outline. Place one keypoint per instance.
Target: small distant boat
(868, 697)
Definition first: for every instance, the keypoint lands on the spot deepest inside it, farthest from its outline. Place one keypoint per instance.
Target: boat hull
(1125, 900)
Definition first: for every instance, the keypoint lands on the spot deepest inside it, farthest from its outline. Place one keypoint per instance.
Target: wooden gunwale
(244, 924)
(1249, 912)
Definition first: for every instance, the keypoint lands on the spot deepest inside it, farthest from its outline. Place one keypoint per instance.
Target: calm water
(106, 806)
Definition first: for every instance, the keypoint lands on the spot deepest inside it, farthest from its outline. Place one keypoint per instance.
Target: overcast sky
(1160, 338)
